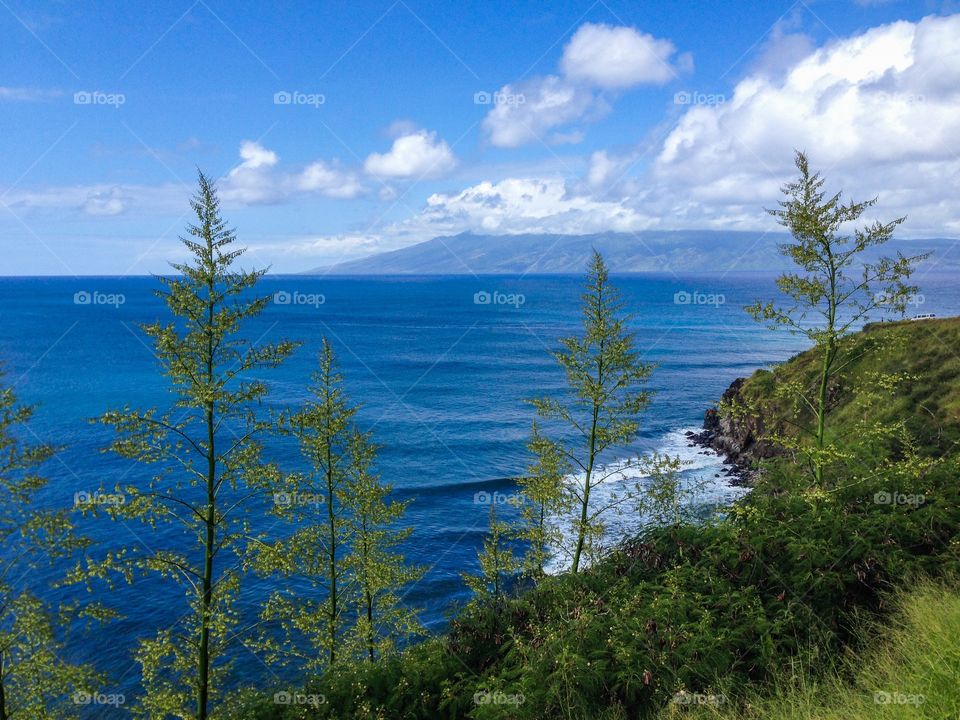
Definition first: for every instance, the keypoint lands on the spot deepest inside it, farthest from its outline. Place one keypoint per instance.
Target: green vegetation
(901, 376)
(33, 676)
(834, 286)
(605, 377)
(338, 571)
(497, 565)
(208, 453)
(910, 670)
(709, 608)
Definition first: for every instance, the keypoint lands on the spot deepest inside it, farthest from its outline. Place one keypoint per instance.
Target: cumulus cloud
(414, 155)
(518, 205)
(323, 178)
(547, 103)
(251, 182)
(255, 155)
(877, 112)
(257, 180)
(597, 61)
(618, 57)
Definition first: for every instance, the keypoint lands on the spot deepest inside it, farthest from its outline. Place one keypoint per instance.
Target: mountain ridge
(644, 251)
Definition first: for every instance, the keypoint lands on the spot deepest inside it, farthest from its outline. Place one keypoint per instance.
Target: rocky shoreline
(738, 440)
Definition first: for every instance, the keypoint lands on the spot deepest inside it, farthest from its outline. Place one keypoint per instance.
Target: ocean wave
(700, 475)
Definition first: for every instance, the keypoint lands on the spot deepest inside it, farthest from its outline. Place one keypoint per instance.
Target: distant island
(645, 251)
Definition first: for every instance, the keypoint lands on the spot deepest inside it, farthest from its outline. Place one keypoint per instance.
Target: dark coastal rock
(737, 439)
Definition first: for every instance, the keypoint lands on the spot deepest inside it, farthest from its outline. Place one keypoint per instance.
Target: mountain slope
(647, 251)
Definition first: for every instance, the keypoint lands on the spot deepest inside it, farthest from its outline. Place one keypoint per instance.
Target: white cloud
(251, 182)
(111, 202)
(617, 57)
(606, 172)
(328, 180)
(415, 155)
(518, 205)
(22, 94)
(598, 61)
(870, 109)
(338, 247)
(547, 103)
(878, 114)
(299, 253)
(257, 180)
(255, 155)
(99, 200)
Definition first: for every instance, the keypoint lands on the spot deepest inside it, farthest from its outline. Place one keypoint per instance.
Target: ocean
(441, 366)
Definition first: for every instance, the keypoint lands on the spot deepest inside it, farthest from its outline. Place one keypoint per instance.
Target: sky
(338, 130)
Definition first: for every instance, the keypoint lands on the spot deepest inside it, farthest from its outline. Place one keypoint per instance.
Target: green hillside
(922, 357)
(910, 670)
(722, 605)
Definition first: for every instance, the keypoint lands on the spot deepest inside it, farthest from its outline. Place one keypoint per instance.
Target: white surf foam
(700, 474)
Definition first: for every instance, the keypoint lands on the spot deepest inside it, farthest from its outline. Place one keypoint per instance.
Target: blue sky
(597, 116)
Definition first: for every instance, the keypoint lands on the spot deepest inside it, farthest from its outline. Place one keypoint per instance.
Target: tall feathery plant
(835, 289)
(340, 573)
(195, 510)
(378, 569)
(35, 680)
(313, 503)
(497, 565)
(599, 412)
(545, 499)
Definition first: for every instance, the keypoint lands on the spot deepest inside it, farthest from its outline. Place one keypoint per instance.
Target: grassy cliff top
(907, 371)
(909, 671)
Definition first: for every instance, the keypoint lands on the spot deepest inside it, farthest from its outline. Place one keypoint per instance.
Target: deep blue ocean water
(441, 378)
